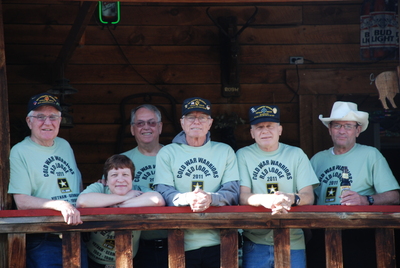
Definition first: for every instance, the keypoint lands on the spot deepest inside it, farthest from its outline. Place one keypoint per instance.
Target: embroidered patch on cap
(264, 113)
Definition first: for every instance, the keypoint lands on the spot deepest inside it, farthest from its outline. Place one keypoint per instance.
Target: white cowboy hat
(346, 111)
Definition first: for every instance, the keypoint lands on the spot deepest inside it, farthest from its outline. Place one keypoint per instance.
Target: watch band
(296, 200)
(370, 200)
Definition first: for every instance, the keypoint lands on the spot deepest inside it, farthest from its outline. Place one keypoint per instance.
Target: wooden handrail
(17, 223)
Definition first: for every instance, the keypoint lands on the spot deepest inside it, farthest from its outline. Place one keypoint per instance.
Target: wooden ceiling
(226, 2)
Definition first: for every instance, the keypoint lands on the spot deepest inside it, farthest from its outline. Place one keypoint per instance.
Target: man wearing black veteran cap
(276, 176)
(197, 172)
(44, 174)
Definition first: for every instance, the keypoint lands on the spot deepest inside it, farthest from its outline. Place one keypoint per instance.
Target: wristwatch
(296, 200)
(370, 199)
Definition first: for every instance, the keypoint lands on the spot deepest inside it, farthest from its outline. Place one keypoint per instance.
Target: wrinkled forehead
(344, 122)
(197, 113)
(47, 109)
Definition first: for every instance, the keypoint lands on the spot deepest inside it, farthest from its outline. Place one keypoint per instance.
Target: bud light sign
(379, 34)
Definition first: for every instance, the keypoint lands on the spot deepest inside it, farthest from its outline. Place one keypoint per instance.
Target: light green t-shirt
(45, 172)
(286, 169)
(145, 168)
(184, 167)
(101, 245)
(369, 173)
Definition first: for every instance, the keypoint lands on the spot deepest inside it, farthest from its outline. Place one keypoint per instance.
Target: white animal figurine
(387, 84)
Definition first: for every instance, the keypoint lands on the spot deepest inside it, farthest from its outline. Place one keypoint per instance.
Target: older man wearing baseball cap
(44, 174)
(372, 181)
(277, 176)
(197, 172)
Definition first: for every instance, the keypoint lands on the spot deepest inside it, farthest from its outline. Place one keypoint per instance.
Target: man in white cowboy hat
(372, 181)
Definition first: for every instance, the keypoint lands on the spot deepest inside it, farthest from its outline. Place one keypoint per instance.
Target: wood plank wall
(174, 50)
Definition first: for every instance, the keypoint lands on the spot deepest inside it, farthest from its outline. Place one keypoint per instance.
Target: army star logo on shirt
(109, 243)
(197, 184)
(330, 194)
(272, 188)
(63, 185)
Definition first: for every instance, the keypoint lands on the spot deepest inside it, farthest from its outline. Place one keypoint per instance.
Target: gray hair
(148, 107)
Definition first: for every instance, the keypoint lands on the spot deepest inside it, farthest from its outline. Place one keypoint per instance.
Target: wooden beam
(282, 248)
(176, 248)
(333, 249)
(229, 244)
(71, 249)
(385, 248)
(5, 198)
(227, 1)
(333, 81)
(77, 30)
(314, 136)
(123, 255)
(16, 247)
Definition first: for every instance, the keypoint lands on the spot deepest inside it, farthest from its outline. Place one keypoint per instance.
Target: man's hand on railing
(71, 215)
(279, 202)
(198, 200)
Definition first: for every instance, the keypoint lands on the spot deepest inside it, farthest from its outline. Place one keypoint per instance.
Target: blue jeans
(205, 257)
(45, 251)
(262, 256)
(152, 253)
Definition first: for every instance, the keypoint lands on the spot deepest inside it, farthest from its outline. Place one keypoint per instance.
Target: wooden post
(314, 136)
(176, 249)
(282, 248)
(229, 248)
(123, 254)
(385, 248)
(5, 199)
(333, 248)
(16, 246)
(71, 249)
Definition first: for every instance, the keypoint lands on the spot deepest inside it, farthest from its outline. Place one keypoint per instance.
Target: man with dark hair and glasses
(44, 175)
(372, 181)
(197, 172)
(146, 127)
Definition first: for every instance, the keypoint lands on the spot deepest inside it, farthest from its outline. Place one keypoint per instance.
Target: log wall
(174, 50)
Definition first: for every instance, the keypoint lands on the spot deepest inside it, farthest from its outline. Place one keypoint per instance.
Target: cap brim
(197, 110)
(47, 104)
(261, 120)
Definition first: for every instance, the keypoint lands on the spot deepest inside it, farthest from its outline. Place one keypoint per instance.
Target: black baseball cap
(196, 104)
(264, 113)
(43, 99)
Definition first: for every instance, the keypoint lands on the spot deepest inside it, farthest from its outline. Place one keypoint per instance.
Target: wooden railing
(17, 223)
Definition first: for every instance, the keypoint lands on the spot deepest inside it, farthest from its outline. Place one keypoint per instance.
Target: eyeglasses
(150, 123)
(267, 127)
(192, 118)
(346, 126)
(43, 118)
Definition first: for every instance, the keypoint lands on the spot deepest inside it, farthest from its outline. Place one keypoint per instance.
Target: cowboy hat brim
(360, 117)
